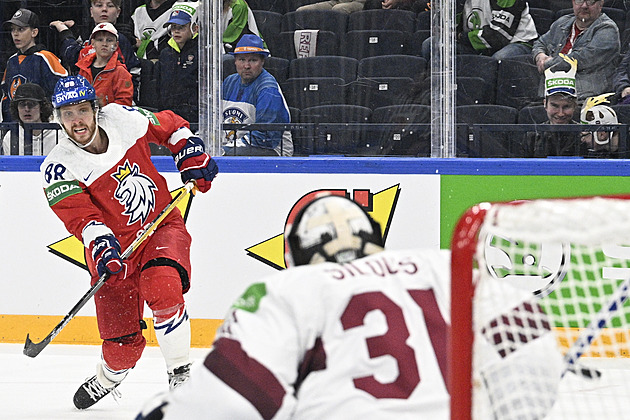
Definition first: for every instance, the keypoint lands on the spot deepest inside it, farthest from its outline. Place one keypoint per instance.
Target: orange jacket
(113, 83)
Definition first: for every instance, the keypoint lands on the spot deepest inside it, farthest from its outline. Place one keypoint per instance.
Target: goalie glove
(195, 164)
(106, 255)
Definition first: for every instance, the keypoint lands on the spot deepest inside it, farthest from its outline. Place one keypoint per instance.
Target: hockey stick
(32, 349)
(594, 328)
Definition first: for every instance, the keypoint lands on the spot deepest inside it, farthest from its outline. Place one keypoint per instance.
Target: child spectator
(104, 68)
(31, 105)
(31, 63)
(179, 62)
(72, 49)
(149, 19)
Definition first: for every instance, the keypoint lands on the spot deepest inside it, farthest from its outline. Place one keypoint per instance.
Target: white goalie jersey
(361, 340)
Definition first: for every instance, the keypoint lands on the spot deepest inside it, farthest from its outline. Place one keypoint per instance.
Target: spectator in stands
(176, 71)
(600, 143)
(104, 68)
(31, 105)
(101, 11)
(416, 6)
(148, 20)
(587, 35)
(345, 6)
(237, 20)
(31, 63)
(561, 105)
(252, 96)
(621, 80)
(492, 28)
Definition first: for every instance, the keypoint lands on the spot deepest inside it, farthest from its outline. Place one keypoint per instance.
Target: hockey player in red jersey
(100, 181)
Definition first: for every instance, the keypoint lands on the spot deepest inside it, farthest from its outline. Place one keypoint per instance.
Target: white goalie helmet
(331, 228)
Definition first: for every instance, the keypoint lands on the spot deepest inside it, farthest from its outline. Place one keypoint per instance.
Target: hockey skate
(91, 392)
(178, 376)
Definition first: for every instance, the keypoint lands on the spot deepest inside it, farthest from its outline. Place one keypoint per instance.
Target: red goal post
(568, 262)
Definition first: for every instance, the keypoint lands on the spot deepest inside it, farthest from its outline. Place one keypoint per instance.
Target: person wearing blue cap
(252, 95)
(179, 63)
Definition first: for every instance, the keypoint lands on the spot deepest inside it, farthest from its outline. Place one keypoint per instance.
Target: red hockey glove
(106, 255)
(195, 164)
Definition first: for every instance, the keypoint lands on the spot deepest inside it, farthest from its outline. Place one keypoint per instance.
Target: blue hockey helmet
(71, 90)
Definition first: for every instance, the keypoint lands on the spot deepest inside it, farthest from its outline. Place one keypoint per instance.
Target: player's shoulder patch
(250, 300)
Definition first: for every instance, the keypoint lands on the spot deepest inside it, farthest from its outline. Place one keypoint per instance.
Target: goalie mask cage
(539, 316)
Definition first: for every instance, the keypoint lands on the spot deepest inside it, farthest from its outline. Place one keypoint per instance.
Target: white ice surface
(42, 387)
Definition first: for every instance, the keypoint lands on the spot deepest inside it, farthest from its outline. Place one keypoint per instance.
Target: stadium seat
(535, 114)
(376, 92)
(228, 66)
(382, 19)
(473, 65)
(487, 144)
(423, 21)
(543, 18)
(370, 43)
(324, 66)
(554, 5)
(311, 91)
(284, 45)
(268, 24)
(402, 130)
(277, 6)
(473, 90)
(333, 134)
(414, 43)
(392, 66)
(517, 84)
(325, 20)
(278, 67)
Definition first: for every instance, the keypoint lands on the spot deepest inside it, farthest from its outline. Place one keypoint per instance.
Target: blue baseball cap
(181, 14)
(250, 44)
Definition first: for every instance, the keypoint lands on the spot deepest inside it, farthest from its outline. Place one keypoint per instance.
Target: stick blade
(33, 349)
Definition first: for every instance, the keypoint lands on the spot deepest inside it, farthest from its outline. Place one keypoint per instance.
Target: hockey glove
(106, 255)
(195, 164)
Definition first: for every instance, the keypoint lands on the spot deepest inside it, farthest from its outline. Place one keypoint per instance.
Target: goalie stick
(32, 349)
(594, 328)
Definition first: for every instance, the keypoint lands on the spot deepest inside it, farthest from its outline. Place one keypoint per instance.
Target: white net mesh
(550, 314)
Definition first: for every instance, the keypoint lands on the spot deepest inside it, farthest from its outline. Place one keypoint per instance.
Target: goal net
(540, 317)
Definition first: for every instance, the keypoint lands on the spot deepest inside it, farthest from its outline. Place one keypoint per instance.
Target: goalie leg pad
(123, 352)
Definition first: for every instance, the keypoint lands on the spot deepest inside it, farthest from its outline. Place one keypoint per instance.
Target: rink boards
(237, 226)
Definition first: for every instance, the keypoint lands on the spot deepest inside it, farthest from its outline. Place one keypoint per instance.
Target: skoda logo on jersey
(135, 191)
(535, 267)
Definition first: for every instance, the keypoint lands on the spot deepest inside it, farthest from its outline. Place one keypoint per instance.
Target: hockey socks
(173, 336)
